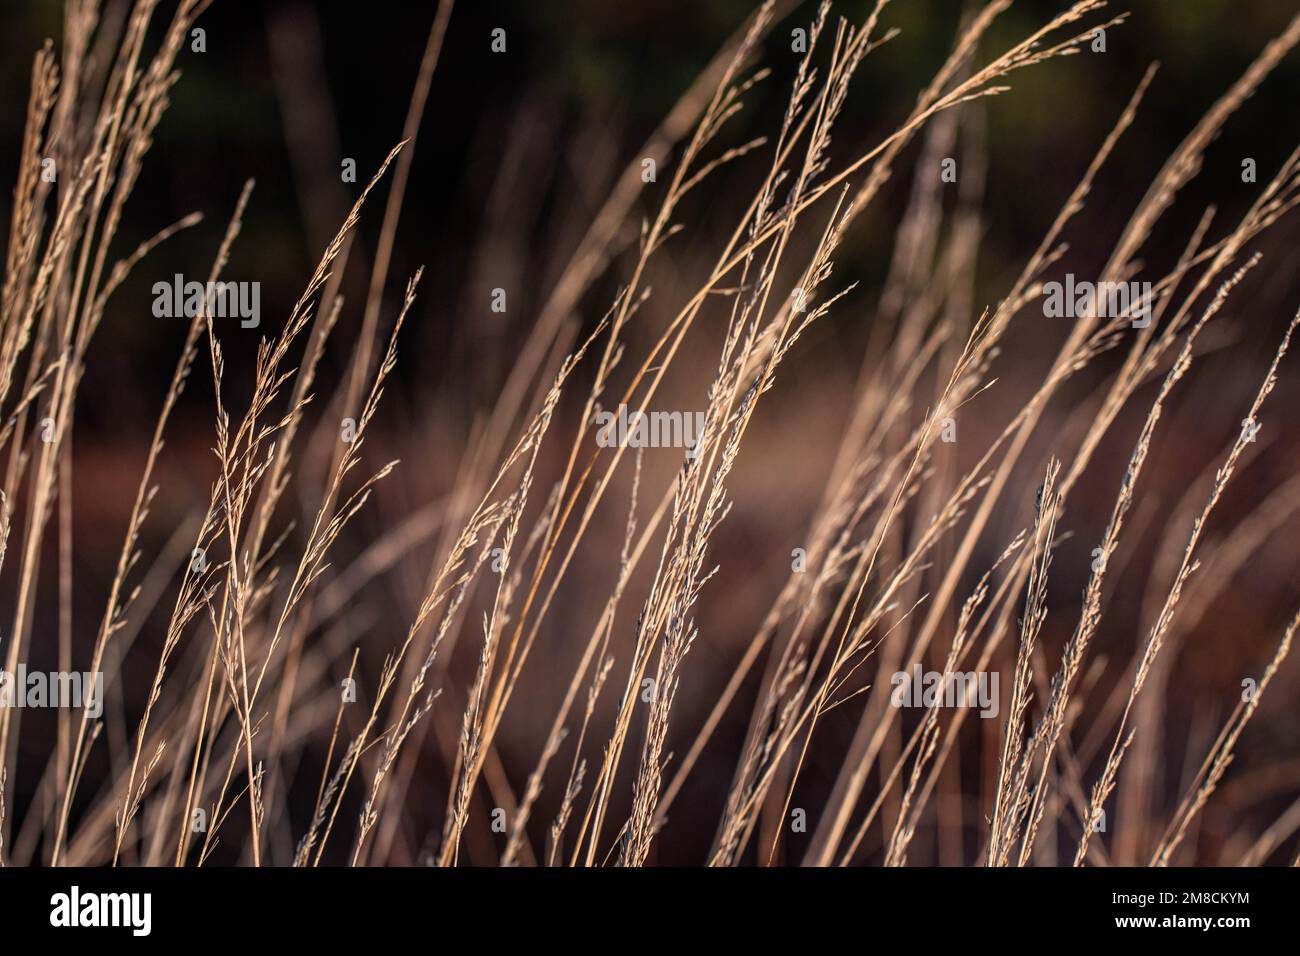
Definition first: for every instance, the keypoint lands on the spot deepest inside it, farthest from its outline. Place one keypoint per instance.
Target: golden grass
(242, 699)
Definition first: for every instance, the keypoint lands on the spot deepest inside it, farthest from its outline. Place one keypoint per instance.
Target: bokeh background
(517, 152)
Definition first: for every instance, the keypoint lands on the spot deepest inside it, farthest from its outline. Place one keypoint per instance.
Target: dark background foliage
(516, 152)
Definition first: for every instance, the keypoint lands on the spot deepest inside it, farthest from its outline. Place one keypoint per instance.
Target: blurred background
(516, 154)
